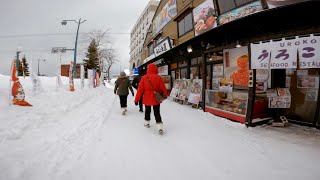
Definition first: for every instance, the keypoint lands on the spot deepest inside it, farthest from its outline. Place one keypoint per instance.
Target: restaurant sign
(162, 47)
(283, 54)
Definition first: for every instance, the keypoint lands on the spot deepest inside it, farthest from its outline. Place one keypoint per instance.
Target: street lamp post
(64, 22)
(38, 65)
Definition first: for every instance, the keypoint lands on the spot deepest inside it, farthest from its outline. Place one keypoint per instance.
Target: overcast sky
(35, 25)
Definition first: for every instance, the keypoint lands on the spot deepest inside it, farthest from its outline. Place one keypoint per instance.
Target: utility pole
(64, 22)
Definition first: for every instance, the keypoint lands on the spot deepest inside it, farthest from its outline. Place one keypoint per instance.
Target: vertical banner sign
(89, 73)
(82, 75)
(17, 89)
(93, 77)
(97, 79)
(71, 84)
(260, 56)
(284, 54)
(58, 81)
(309, 55)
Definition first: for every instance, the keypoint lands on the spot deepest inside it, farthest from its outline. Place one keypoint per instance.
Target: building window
(194, 72)
(150, 49)
(185, 25)
(184, 73)
(228, 5)
(194, 61)
(183, 63)
(173, 65)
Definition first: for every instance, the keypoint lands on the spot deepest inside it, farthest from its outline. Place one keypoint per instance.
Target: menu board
(308, 82)
(175, 89)
(312, 95)
(282, 98)
(195, 92)
(185, 87)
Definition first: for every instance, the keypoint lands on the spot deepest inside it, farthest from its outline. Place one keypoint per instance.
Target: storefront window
(194, 61)
(184, 73)
(194, 72)
(183, 63)
(200, 60)
(217, 74)
(208, 77)
(228, 96)
(173, 65)
(178, 74)
(230, 102)
(173, 75)
(304, 86)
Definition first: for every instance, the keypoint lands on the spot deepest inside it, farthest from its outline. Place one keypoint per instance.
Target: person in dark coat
(135, 84)
(121, 89)
(148, 98)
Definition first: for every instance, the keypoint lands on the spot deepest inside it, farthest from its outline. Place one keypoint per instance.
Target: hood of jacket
(152, 69)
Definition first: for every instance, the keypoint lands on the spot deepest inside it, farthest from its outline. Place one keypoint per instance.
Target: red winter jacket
(145, 89)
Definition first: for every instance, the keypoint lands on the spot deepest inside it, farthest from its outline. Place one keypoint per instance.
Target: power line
(51, 34)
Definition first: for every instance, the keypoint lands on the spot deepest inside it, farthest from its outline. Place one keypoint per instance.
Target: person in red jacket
(148, 98)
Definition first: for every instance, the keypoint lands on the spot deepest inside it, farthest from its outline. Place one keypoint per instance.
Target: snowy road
(82, 135)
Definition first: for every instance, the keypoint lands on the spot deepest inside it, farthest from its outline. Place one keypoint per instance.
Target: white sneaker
(160, 128)
(146, 124)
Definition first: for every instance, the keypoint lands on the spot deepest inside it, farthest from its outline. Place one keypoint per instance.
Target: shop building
(257, 60)
(65, 70)
(139, 33)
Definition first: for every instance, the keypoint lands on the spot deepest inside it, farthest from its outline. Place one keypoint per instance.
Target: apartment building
(139, 32)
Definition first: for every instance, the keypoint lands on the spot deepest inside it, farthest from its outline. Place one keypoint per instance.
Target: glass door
(304, 87)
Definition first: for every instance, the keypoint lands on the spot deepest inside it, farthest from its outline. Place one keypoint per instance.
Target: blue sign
(135, 71)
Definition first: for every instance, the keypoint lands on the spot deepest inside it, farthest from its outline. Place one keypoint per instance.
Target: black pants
(156, 111)
(123, 101)
(140, 104)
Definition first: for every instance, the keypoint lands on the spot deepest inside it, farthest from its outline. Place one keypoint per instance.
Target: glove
(132, 93)
(136, 103)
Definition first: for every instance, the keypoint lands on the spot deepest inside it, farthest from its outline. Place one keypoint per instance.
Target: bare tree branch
(108, 58)
(101, 36)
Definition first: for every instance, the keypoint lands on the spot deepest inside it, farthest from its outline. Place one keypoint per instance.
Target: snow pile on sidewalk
(82, 135)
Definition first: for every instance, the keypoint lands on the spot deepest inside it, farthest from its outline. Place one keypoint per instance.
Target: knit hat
(122, 73)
